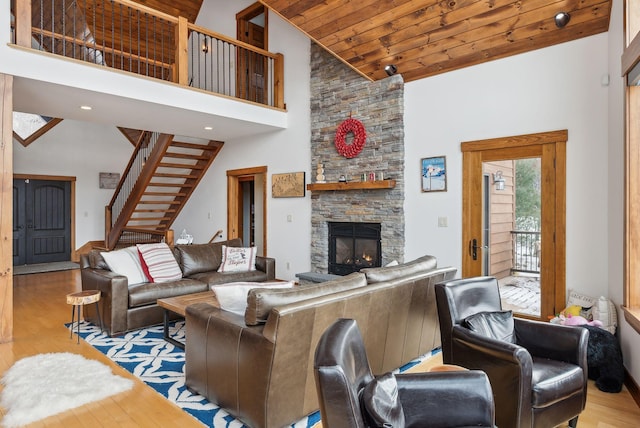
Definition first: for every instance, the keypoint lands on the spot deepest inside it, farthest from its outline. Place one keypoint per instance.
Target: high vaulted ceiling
(427, 37)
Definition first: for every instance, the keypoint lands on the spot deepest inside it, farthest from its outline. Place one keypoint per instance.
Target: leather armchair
(539, 378)
(437, 399)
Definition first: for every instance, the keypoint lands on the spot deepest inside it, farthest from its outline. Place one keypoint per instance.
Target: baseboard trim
(632, 386)
(85, 249)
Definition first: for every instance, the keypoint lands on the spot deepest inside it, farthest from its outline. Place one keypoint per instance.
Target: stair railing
(115, 212)
(131, 37)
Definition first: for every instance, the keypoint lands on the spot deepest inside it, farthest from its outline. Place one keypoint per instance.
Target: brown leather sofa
(260, 367)
(125, 307)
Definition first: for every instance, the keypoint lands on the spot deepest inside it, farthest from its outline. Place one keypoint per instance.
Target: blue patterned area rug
(160, 365)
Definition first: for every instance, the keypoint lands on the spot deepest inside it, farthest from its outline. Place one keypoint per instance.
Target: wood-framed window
(631, 72)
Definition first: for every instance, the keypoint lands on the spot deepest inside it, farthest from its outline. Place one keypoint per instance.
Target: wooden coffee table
(179, 305)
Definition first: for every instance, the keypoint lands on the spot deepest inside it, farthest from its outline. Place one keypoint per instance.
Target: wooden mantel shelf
(352, 185)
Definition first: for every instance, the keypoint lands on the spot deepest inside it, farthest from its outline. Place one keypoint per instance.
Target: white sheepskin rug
(47, 384)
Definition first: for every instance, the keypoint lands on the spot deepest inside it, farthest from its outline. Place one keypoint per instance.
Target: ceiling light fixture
(390, 69)
(208, 128)
(562, 19)
(85, 107)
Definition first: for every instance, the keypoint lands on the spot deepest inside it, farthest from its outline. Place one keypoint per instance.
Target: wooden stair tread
(172, 202)
(185, 156)
(148, 219)
(156, 184)
(170, 210)
(164, 194)
(194, 146)
(180, 165)
(169, 175)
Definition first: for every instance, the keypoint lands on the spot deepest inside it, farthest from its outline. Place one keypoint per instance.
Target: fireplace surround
(353, 246)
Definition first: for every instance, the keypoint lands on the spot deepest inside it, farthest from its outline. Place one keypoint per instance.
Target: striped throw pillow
(159, 263)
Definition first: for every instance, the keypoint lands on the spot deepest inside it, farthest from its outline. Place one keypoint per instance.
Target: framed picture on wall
(287, 185)
(434, 174)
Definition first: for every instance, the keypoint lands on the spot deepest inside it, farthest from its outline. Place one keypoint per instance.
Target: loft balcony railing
(127, 36)
(526, 251)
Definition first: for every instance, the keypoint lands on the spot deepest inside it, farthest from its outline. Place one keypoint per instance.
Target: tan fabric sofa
(262, 372)
(125, 307)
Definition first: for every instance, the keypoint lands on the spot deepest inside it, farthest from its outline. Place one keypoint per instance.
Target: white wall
(282, 151)
(81, 150)
(545, 90)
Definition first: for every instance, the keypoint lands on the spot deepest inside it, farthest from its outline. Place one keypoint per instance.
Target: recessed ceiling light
(86, 107)
(208, 128)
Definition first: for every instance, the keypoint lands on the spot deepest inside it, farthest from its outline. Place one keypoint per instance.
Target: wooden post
(6, 208)
(278, 81)
(23, 23)
(181, 75)
(107, 226)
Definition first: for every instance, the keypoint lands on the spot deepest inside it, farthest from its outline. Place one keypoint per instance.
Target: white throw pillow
(160, 263)
(233, 296)
(238, 259)
(126, 262)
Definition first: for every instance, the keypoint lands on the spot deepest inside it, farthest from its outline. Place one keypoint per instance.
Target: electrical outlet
(289, 218)
(288, 266)
(443, 222)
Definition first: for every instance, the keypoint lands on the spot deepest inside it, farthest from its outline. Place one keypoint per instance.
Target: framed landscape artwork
(434, 174)
(288, 185)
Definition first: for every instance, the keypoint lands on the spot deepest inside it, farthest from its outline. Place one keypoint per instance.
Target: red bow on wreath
(359, 138)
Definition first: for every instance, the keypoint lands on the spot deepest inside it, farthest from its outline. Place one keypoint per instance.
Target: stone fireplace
(337, 93)
(353, 246)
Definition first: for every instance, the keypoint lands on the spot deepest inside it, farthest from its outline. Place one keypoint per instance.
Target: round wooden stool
(78, 300)
(447, 368)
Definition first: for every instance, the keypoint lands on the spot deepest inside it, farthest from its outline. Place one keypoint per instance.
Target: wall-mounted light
(390, 69)
(498, 180)
(562, 19)
(205, 46)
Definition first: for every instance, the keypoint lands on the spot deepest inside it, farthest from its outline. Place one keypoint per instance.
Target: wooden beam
(23, 23)
(182, 53)
(6, 208)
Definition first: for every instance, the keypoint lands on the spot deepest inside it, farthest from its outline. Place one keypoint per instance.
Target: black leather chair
(351, 397)
(538, 370)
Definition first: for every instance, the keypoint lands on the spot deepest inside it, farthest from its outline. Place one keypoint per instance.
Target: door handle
(473, 248)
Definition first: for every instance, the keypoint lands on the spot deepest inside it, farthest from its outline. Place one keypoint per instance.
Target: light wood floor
(40, 312)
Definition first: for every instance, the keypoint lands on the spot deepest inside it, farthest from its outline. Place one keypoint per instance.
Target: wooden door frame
(552, 149)
(247, 14)
(233, 193)
(242, 19)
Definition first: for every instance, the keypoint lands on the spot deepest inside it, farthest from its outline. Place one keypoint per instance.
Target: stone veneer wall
(337, 92)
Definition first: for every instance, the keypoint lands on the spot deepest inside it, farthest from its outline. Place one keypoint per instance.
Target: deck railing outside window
(127, 36)
(526, 251)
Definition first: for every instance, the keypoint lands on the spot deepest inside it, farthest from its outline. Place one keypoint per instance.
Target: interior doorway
(252, 28)
(246, 207)
(514, 217)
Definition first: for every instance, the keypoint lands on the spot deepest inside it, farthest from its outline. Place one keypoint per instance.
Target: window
(29, 127)
(631, 69)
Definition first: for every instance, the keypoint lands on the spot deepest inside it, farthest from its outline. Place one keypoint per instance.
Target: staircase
(161, 176)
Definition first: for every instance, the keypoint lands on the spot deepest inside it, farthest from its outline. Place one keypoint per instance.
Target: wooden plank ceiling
(427, 37)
